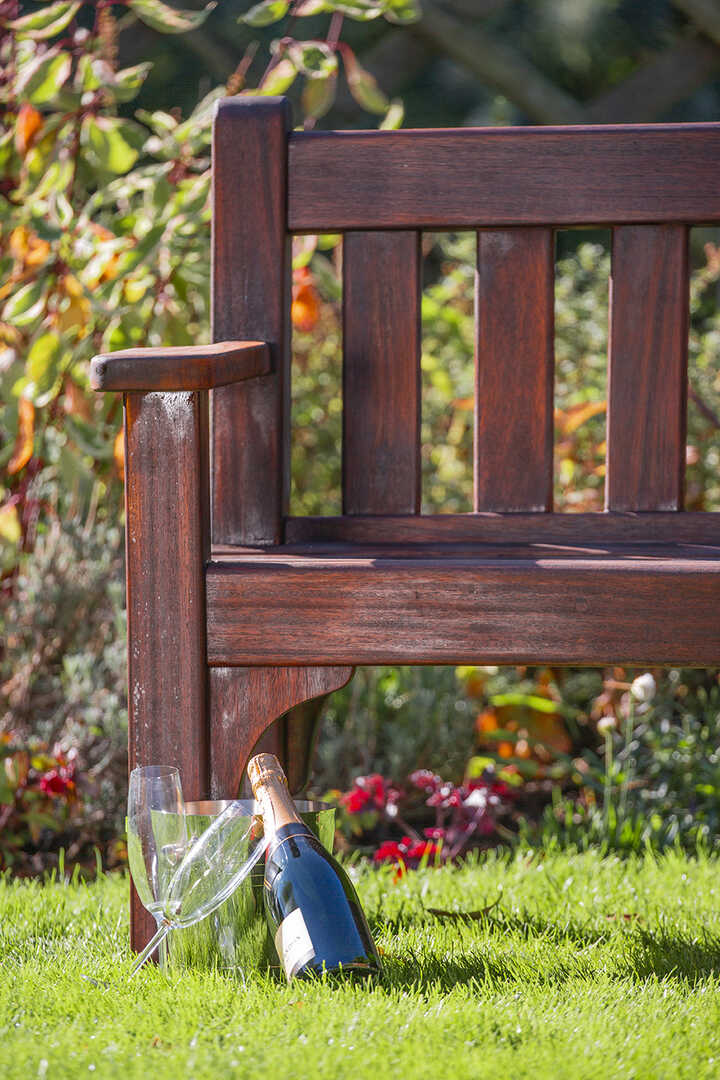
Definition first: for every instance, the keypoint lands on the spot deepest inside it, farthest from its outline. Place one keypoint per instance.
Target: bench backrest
(514, 186)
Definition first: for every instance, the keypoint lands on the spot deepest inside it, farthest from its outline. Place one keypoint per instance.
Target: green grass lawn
(586, 967)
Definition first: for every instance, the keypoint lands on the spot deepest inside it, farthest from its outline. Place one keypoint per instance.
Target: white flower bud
(606, 724)
(643, 688)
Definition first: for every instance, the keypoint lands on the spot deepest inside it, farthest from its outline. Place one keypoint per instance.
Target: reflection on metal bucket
(235, 938)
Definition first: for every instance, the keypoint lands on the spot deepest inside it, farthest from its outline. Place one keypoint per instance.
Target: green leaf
(361, 10)
(166, 19)
(46, 22)
(128, 82)
(41, 80)
(363, 86)
(106, 145)
(26, 304)
(314, 59)
(394, 116)
(278, 78)
(265, 13)
(402, 11)
(318, 96)
(42, 362)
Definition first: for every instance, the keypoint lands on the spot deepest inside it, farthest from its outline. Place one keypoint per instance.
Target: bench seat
(576, 604)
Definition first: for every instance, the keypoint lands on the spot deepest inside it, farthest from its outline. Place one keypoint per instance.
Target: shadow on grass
(672, 954)
(637, 954)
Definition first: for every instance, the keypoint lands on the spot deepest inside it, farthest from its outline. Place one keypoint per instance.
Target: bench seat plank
(571, 608)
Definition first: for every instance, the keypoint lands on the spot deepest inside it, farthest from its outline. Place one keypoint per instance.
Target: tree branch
(498, 65)
(672, 76)
(705, 14)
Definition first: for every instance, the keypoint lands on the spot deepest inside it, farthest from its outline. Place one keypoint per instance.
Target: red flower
(422, 849)
(390, 851)
(355, 801)
(424, 779)
(57, 782)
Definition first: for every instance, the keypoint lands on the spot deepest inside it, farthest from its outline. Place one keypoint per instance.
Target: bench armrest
(190, 367)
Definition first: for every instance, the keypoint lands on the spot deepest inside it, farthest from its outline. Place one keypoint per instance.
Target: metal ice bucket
(235, 938)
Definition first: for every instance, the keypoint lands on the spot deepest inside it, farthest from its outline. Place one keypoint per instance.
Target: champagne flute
(213, 867)
(156, 831)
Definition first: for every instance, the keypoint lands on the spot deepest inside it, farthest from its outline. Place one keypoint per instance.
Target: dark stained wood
(251, 301)
(245, 701)
(503, 176)
(514, 366)
(189, 367)
(299, 554)
(381, 373)
(620, 609)
(599, 528)
(647, 371)
(167, 543)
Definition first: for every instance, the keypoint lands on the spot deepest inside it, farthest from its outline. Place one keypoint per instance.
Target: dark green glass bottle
(314, 914)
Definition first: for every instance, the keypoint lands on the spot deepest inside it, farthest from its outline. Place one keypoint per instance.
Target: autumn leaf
(28, 123)
(119, 452)
(25, 440)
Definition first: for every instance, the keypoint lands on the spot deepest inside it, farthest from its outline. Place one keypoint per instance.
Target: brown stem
(704, 408)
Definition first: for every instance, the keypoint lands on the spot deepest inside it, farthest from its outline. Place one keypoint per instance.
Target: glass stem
(160, 934)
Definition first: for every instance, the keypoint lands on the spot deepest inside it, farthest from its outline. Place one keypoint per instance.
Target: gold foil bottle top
(263, 768)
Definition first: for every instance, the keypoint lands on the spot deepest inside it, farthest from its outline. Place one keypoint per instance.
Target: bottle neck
(277, 806)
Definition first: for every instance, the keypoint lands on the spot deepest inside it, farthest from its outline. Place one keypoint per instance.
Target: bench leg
(245, 702)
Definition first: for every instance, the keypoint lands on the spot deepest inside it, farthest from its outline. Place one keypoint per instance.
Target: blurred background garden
(104, 214)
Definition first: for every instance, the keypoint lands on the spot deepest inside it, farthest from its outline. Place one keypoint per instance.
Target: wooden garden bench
(238, 612)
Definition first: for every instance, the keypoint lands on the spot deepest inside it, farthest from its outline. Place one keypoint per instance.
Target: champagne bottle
(313, 910)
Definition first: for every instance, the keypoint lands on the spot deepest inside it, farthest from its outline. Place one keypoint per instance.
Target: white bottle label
(293, 943)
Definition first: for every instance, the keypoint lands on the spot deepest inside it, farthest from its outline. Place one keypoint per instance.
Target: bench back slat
(514, 370)
(381, 373)
(441, 179)
(251, 302)
(647, 374)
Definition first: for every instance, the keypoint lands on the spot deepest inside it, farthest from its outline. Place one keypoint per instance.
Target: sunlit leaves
(318, 97)
(167, 19)
(314, 59)
(26, 304)
(279, 78)
(394, 117)
(402, 11)
(363, 86)
(265, 13)
(43, 77)
(45, 23)
(108, 143)
(43, 366)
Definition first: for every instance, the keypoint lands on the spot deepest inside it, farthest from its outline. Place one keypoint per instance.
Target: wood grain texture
(188, 367)
(244, 701)
(167, 543)
(381, 373)
(625, 609)
(594, 528)
(647, 368)
(514, 366)
(251, 301)
(504, 176)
